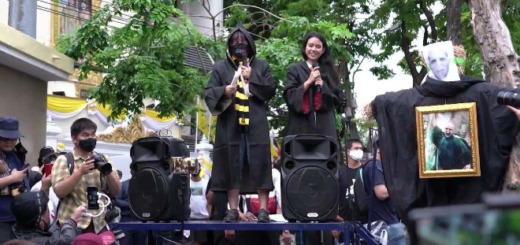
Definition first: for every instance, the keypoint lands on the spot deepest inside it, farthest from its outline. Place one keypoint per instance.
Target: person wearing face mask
(70, 182)
(238, 91)
(347, 175)
(33, 222)
(312, 90)
(198, 204)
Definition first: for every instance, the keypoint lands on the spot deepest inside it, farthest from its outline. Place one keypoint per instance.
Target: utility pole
(22, 16)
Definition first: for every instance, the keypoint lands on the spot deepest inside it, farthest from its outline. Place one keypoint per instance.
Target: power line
(122, 21)
(66, 15)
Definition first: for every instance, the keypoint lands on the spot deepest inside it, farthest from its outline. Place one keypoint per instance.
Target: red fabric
(317, 100)
(305, 103)
(255, 205)
(88, 239)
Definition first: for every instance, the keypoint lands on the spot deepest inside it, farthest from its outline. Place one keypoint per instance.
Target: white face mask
(356, 154)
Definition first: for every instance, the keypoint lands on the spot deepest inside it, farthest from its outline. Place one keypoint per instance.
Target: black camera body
(101, 164)
(508, 98)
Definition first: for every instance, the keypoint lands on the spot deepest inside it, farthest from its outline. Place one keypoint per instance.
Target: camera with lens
(101, 164)
(509, 98)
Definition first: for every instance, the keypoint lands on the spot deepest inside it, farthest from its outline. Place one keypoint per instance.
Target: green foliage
(143, 59)
(511, 16)
(350, 37)
(382, 72)
(364, 126)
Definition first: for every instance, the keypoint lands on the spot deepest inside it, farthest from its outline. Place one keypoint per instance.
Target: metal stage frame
(345, 227)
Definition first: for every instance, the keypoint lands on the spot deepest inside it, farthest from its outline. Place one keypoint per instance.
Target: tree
(453, 16)
(142, 59)
(501, 62)
(408, 23)
(349, 52)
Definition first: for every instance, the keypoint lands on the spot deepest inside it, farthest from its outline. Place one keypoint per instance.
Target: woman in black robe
(312, 93)
(237, 92)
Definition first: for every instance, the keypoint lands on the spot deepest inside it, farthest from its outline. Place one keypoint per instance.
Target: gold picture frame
(447, 141)
(70, 10)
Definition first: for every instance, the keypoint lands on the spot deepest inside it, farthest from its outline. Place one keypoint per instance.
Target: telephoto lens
(509, 98)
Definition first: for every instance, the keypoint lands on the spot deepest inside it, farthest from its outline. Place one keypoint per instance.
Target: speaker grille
(148, 193)
(313, 192)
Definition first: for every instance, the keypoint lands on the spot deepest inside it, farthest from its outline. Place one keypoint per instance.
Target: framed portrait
(447, 141)
(69, 15)
(440, 60)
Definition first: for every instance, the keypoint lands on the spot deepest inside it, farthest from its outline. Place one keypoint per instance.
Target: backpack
(360, 193)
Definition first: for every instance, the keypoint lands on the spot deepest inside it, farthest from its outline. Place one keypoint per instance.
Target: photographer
(33, 220)
(88, 170)
(13, 178)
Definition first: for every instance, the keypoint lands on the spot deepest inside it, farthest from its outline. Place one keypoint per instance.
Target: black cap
(46, 150)
(28, 208)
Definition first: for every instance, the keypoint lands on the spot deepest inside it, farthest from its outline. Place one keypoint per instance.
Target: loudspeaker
(152, 195)
(310, 182)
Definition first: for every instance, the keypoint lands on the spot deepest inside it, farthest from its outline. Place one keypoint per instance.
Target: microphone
(315, 66)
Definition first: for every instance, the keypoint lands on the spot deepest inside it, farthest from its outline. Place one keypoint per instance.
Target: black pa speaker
(310, 184)
(152, 195)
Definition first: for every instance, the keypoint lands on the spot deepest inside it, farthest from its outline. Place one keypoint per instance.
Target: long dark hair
(325, 61)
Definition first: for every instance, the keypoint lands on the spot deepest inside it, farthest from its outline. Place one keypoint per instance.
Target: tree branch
(405, 45)
(425, 37)
(206, 8)
(252, 6)
(431, 20)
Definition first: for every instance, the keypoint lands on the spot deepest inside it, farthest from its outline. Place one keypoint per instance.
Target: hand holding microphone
(317, 76)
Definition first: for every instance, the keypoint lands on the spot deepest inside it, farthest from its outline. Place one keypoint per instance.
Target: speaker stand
(182, 207)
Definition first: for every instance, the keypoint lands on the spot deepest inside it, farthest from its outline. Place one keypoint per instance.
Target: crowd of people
(50, 205)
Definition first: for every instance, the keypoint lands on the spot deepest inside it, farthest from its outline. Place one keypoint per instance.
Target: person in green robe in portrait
(452, 151)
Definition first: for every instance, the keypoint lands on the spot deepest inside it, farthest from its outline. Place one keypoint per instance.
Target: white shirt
(198, 202)
(53, 200)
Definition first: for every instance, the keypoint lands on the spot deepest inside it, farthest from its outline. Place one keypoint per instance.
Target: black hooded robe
(395, 115)
(228, 171)
(321, 121)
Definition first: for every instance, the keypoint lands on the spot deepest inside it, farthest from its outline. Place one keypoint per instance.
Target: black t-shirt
(382, 210)
(347, 210)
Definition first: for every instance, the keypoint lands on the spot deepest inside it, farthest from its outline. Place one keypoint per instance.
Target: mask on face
(88, 145)
(356, 154)
(239, 50)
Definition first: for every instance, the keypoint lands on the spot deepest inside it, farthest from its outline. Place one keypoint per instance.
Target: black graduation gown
(226, 173)
(321, 121)
(395, 115)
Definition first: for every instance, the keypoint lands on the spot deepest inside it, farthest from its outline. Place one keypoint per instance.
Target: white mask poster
(440, 60)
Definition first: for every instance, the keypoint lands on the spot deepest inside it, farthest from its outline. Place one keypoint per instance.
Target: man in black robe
(238, 91)
(453, 152)
(395, 115)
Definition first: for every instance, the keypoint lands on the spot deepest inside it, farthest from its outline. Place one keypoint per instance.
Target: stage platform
(345, 227)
